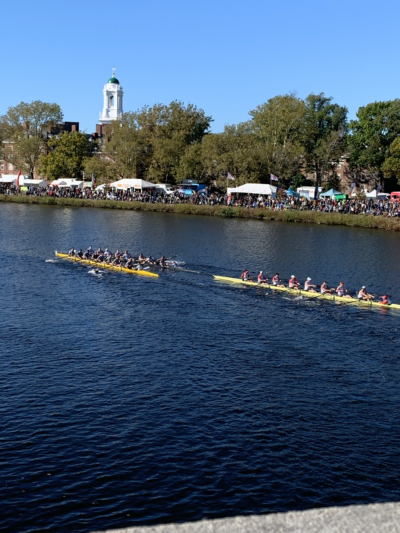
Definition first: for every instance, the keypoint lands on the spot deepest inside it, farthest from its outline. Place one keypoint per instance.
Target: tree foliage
(391, 166)
(26, 126)
(66, 156)
(372, 134)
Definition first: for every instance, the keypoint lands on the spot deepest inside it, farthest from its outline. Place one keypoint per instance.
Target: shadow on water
(138, 401)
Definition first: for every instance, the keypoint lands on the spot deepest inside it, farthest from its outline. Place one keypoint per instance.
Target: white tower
(113, 95)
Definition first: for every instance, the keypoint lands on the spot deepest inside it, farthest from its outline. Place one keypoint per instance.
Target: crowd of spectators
(350, 206)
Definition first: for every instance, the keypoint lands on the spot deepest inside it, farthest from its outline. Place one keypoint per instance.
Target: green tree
(237, 151)
(66, 156)
(277, 125)
(372, 134)
(104, 171)
(391, 167)
(26, 126)
(324, 134)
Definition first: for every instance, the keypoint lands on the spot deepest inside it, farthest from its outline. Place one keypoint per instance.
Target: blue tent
(289, 192)
(330, 193)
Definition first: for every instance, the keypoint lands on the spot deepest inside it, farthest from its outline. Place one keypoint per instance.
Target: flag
(19, 173)
(230, 177)
(274, 178)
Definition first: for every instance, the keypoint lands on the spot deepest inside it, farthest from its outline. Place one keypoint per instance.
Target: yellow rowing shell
(106, 265)
(307, 293)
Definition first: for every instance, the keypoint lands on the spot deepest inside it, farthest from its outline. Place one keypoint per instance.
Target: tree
(191, 163)
(324, 135)
(372, 134)
(236, 151)
(391, 167)
(66, 157)
(103, 170)
(26, 126)
(277, 125)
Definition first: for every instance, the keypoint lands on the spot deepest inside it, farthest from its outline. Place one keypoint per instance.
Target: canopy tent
(253, 188)
(289, 192)
(57, 183)
(375, 194)
(8, 178)
(331, 193)
(101, 187)
(126, 184)
(308, 192)
(71, 183)
(33, 183)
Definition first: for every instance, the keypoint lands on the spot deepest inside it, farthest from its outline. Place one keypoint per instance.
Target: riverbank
(310, 217)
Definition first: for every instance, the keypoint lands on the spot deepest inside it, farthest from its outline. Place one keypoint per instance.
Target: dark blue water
(127, 400)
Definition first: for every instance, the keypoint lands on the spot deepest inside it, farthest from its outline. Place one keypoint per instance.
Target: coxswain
(293, 283)
(72, 252)
(364, 295)
(386, 300)
(325, 289)
(341, 291)
(308, 286)
(261, 278)
(246, 276)
(276, 281)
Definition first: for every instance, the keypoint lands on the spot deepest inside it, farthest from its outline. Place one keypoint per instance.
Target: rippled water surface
(127, 400)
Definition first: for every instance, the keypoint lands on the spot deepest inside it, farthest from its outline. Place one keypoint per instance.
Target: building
(113, 101)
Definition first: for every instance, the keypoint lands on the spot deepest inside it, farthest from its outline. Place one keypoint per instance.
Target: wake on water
(51, 261)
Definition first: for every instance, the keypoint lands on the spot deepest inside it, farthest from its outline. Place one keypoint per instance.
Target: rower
(364, 295)
(341, 291)
(98, 253)
(325, 289)
(150, 260)
(107, 254)
(246, 276)
(162, 261)
(126, 255)
(386, 300)
(276, 281)
(141, 258)
(117, 254)
(88, 254)
(117, 260)
(293, 283)
(261, 278)
(72, 252)
(308, 286)
(130, 264)
(80, 253)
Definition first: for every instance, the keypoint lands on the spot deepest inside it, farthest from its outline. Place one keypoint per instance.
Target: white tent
(101, 187)
(33, 183)
(308, 192)
(253, 188)
(8, 178)
(126, 184)
(375, 194)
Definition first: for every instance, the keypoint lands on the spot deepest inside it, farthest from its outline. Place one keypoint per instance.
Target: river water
(128, 400)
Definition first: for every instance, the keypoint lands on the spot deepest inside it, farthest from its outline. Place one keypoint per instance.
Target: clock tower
(113, 95)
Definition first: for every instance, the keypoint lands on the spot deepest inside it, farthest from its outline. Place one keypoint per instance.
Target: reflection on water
(127, 400)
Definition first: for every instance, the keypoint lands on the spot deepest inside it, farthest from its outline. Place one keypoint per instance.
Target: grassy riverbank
(311, 217)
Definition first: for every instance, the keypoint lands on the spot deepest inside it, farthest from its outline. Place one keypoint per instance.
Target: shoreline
(309, 217)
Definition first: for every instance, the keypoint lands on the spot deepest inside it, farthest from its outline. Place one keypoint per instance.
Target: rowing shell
(106, 265)
(307, 293)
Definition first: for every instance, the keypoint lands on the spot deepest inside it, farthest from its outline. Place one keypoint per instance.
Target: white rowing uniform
(361, 295)
(307, 285)
(340, 290)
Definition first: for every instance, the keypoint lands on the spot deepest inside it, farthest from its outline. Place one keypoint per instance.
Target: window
(2, 166)
(10, 166)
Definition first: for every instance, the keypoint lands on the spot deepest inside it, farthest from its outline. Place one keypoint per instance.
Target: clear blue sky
(224, 56)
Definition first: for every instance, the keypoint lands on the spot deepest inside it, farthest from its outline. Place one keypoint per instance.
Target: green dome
(113, 80)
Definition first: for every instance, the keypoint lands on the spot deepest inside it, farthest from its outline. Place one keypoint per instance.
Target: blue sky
(226, 57)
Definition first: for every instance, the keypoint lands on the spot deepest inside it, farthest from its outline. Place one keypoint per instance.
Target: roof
(113, 80)
(253, 188)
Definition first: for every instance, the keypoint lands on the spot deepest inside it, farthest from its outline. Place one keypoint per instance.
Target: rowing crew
(294, 284)
(117, 259)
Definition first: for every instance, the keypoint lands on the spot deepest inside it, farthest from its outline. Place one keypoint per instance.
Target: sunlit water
(129, 400)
